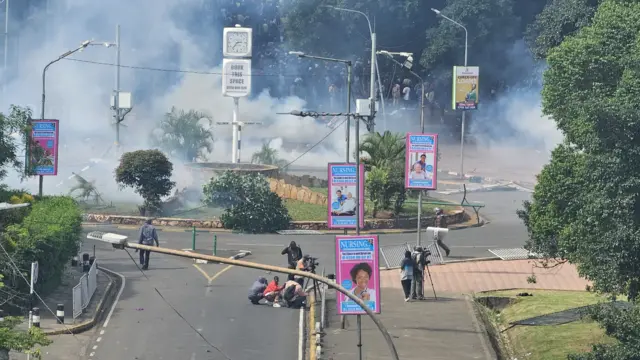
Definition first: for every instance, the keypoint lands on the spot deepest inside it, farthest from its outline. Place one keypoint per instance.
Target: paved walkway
(477, 276)
(437, 330)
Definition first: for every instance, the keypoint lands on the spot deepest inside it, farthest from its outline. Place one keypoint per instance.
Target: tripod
(315, 283)
(430, 279)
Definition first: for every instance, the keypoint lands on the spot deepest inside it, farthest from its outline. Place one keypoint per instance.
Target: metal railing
(83, 292)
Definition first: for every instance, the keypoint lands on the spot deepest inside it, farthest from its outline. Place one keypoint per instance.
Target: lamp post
(408, 64)
(6, 37)
(300, 54)
(44, 72)
(466, 48)
(372, 87)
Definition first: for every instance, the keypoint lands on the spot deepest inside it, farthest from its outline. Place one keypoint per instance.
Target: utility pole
(372, 89)
(116, 93)
(6, 38)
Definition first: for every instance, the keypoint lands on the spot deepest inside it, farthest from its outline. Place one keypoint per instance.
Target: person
(293, 294)
(441, 222)
(418, 173)
(340, 198)
(406, 94)
(271, 293)
(395, 94)
(417, 288)
(257, 290)
(294, 253)
(406, 274)
(148, 235)
(348, 206)
(423, 162)
(360, 276)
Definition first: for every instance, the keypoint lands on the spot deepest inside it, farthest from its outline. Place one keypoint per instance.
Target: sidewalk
(443, 329)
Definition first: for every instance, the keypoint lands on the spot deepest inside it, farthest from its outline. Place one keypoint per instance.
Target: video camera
(425, 254)
(310, 263)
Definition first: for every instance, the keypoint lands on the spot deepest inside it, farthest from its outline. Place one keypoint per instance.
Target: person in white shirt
(348, 207)
(406, 92)
(417, 173)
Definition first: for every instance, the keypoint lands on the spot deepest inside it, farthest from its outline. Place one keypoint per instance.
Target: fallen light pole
(120, 242)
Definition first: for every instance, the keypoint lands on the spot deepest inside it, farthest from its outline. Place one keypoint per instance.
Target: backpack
(289, 293)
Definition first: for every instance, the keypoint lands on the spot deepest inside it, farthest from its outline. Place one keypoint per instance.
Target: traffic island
(540, 324)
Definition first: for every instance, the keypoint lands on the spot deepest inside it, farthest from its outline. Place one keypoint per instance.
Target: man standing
(148, 236)
(417, 288)
(441, 222)
(294, 253)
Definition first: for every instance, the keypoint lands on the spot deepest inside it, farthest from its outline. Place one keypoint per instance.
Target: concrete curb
(241, 254)
(89, 324)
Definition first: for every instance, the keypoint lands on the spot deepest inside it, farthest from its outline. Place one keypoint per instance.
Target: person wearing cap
(441, 222)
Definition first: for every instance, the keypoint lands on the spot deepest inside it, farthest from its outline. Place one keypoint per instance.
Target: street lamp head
(296, 53)
(383, 52)
(85, 43)
(435, 11)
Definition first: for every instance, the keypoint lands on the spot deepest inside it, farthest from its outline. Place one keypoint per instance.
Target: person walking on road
(406, 274)
(441, 222)
(294, 254)
(148, 236)
(417, 283)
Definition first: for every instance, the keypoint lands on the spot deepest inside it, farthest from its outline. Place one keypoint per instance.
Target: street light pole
(464, 112)
(44, 73)
(6, 39)
(116, 100)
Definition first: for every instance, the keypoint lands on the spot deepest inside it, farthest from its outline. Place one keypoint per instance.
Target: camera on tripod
(310, 263)
(425, 254)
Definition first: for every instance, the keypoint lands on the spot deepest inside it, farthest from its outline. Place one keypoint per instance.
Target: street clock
(237, 42)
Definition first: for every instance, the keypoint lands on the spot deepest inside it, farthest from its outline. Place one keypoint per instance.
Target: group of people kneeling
(291, 294)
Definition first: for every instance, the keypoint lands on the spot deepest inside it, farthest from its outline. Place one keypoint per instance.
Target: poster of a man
(421, 161)
(344, 203)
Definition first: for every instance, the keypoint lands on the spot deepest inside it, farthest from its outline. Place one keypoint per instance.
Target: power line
(314, 145)
(198, 72)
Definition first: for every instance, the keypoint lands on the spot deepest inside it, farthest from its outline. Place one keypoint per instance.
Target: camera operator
(294, 255)
(419, 256)
(307, 263)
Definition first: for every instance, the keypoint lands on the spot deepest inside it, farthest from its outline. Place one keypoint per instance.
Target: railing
(83, 292)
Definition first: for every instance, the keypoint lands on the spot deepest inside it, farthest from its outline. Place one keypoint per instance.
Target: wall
(304, 194)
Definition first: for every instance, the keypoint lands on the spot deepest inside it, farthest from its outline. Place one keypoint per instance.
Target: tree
(23, 341)
(586, 205)
(13, 130)
(148, 172)
(183, 135)
(250, 205)
(382, 150)
(267, 156)
(558, 19)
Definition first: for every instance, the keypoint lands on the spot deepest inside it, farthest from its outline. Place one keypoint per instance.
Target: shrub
(250, 206)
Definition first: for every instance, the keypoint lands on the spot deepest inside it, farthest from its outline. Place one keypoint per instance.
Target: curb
(89, 324)
(239, 255)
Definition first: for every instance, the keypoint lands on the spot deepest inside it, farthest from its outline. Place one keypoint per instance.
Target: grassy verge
(551, 342)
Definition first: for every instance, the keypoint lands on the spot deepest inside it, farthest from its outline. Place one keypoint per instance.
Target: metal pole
(464, 112)
(358, 176)
(239, 140)
(372, 89)
(116, 100)
(193, 239)
(44, 73)
(348, 107)
(6, 39)
(381, 92)
(419, 240)
(234, 136)
(276, 269)
(359, 337)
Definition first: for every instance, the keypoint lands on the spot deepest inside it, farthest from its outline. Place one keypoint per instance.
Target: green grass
(300, 211)
(552, 342)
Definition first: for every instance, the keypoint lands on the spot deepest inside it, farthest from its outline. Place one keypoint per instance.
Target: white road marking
(101, 332)
(99, 339)
(301, 335)
(115, 303)
(94, 347)
(91, 355)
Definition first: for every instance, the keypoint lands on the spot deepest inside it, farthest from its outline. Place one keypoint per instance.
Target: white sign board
(236, 77)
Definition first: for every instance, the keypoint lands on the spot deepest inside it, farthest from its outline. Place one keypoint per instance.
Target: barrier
(83, 292)
(392, 255)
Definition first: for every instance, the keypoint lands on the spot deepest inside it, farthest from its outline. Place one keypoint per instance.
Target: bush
(250, 206)
(50, 235)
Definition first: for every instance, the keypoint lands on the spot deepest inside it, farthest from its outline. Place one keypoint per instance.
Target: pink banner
(421, 169)
(45, 133)
(342, 196)
(357, 270)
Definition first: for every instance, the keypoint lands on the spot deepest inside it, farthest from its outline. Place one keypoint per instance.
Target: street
(212, 298)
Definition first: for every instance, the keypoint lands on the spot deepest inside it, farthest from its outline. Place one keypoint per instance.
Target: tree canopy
(182, 134)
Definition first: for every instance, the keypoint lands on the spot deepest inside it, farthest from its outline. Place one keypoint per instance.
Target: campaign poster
(465, 87)
(44, 134)
(421, 161)
(343, 197)
(357, 270)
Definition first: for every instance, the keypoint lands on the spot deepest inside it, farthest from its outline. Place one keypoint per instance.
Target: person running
(272, 292)
(148, 235)
(441, 222)
(257, 290)
(294, 254)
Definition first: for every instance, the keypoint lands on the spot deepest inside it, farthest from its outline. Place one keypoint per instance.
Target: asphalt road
(213, 301)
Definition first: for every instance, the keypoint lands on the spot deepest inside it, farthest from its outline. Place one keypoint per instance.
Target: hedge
(49, 234)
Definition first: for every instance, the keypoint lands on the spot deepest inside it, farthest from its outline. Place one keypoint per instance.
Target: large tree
(183, 134)
(13, 130)
(586, 206)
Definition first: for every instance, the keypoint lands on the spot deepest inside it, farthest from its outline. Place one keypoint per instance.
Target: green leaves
(182, 134)
(250, 205)
(267, 156)
(148, 172)
(13, 131)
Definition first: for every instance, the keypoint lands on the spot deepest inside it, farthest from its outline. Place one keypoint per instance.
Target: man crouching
(257, 290)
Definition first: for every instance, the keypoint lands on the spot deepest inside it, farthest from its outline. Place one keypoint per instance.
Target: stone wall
(304, 180)
(453, 217)
(304, 194)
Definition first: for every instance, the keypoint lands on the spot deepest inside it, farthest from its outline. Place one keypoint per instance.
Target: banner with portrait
(421, 169)
(465, 87)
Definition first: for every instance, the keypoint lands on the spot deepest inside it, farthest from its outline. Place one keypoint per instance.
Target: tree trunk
(4, 354)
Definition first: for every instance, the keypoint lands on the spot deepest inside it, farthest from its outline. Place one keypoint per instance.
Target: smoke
(154, 33)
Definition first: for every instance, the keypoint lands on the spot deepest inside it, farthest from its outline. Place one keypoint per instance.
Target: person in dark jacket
(406, 274)
(148, 236)
(294, 254)
(256, 292)
(441, 222)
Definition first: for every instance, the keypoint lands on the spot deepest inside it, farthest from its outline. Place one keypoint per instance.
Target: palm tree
(183, 135)
(382, 150)
(267, 156)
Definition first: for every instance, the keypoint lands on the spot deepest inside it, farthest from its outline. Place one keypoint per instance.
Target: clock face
(237, 42)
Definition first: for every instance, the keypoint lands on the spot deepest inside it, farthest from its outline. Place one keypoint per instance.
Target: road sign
(236, 77)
